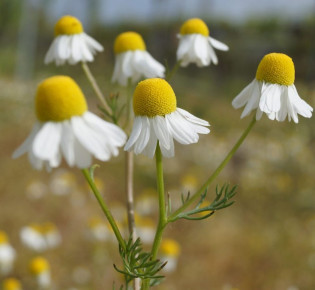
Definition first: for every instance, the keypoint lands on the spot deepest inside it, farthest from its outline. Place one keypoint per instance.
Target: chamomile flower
(158, 119)
(195, 44)
(99, 230)
(11, 284)
(170, 250)
(32, 237)
(273, 91)
(65, 128)
(40, 268)
(7, 254)
(132, 61)
(71, 43)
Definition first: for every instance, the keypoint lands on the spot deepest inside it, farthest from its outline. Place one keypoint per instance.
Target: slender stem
(96, 88)
(162, 209)
(129, 110)
(106, 211)
(130, 205)
(173, 71)
(203, 188)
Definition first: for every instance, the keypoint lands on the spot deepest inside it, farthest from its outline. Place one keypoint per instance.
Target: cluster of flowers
(65, 126)
(38, 266)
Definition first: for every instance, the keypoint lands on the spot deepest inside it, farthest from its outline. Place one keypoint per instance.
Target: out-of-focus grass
(265, 240)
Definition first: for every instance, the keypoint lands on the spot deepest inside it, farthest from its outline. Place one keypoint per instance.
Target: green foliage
(221, 201)
(139, 264)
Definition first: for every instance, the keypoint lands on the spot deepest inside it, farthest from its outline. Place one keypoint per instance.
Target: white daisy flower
(273, 91)
(146, 229)
(65, 128)
(158, 119)
(11, 284)
(170, 250)
(40, 268)
(32, 237)
(7, 254)
(195, 44)
(99, 230)
(132, 61)
(71, 43)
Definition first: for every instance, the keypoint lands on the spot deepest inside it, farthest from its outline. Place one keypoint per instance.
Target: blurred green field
(266, 240)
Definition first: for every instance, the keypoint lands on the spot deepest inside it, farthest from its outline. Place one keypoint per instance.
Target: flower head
(7, 254)
(195, 44)
(170, 250)
(71, 43)
(158, 119)
(40, 268)
(132, 61)
(64, 127)
(273, 91)
(11, 284)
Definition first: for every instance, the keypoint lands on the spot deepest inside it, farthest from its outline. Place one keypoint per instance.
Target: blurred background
(266, 240)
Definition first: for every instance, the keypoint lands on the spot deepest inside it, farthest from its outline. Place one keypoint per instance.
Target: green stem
(162, 210)
(106, 211)
(173, 71)
(96, 88)
(203, 188)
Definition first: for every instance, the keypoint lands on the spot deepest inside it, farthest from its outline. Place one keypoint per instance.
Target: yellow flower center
(38, 265)
(194, 25)
(68, 25)
(276, 68)
(128, 41)
(11, 284)
(170, 247)
(154, 97)
(59, 98)
(3, 238)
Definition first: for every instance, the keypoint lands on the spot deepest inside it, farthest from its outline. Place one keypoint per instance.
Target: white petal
(242, 98)
(113, 133)
(83, 158)
(67, 143)
(183, 47)
(27, 144)
(218, 44)
(168, 152)
(213, 55)
(144, 136)
(94, 142)
(253, 101)
(76, 53)
(47, 141)
(92, 43)
(301, 106)
(151, 67)
(192, 118)
(149, 150)
(180, 129)
(161, 131)
(135, 133)
(270, 98)
(201, 48)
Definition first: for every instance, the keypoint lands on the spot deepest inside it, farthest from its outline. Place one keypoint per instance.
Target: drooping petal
(135, 133)
(243, 97)
(27, 144)
(47, 141)
(161, 131)
(144, 136)
(67, 143)
(218, 44)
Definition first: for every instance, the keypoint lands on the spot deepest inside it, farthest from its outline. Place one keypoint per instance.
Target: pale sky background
(117, 11)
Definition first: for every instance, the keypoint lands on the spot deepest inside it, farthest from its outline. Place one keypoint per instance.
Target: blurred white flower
(273, 91)
(65, 127)
(7, 254)
(40, 268)
(146, 202)
(132, 61)
(158, 119)
(170, 250)
(62, 182)
(195, 44)
(145, 229)
(71, 43)
(99, 230)
(40, 237)
(36, 189)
